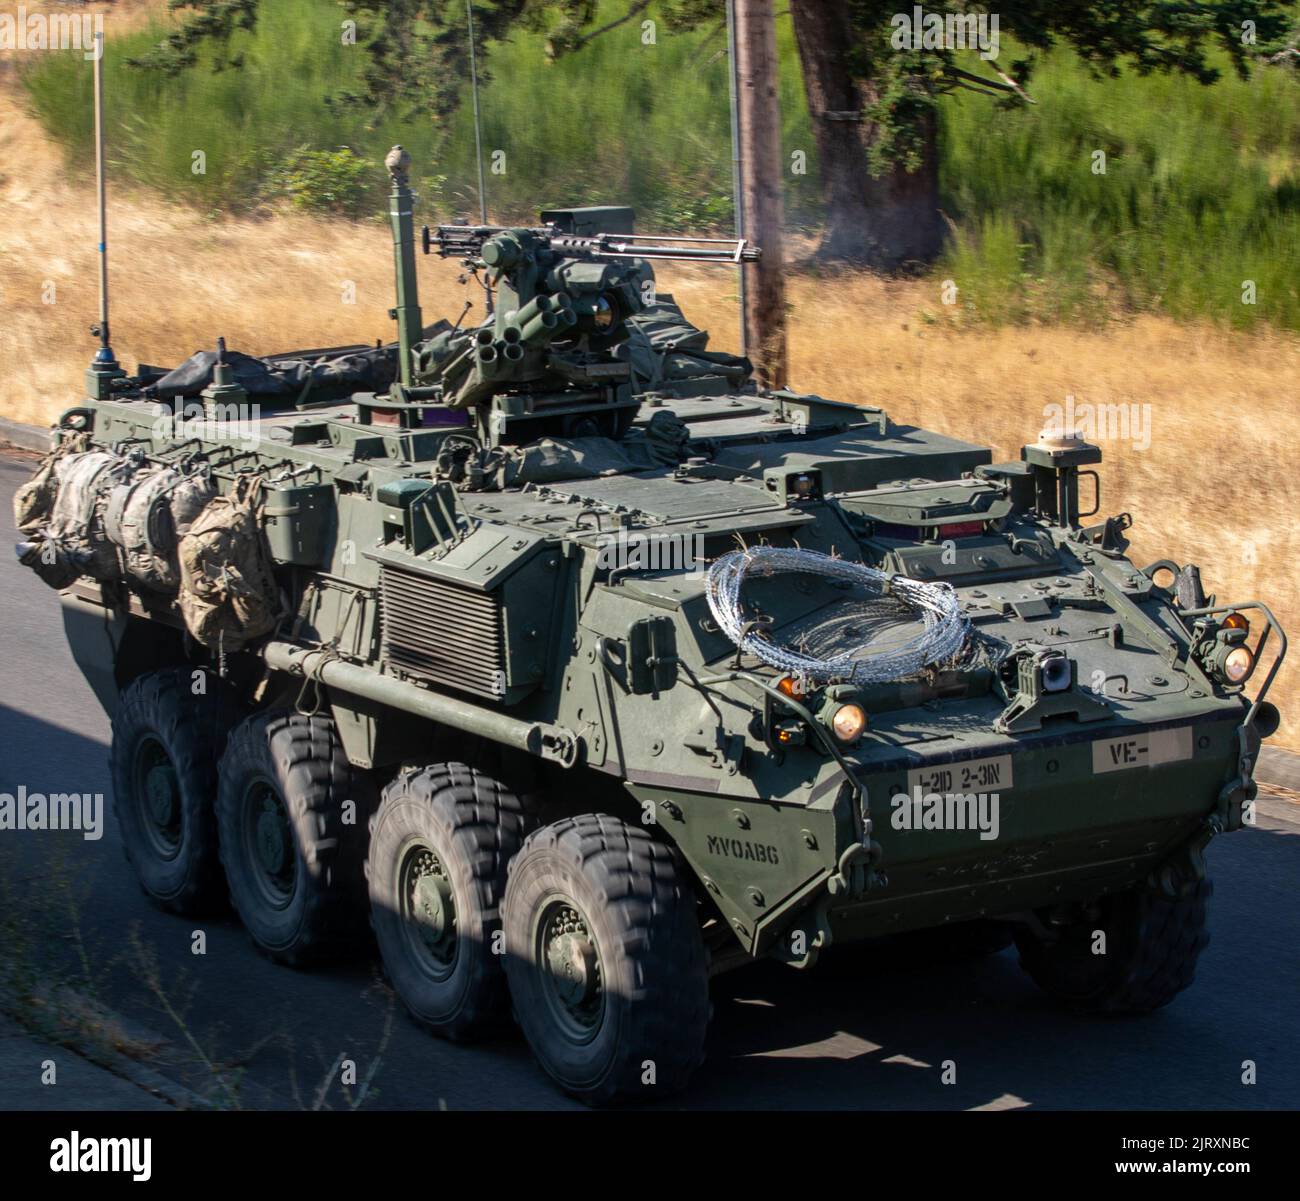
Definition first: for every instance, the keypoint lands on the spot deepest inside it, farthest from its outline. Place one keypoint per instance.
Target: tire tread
(197, 726)
(316, 778)
(648, 899)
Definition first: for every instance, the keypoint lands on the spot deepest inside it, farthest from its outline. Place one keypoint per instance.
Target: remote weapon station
(583, 668)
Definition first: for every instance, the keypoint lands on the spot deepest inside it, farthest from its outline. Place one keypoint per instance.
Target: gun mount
(550, 358)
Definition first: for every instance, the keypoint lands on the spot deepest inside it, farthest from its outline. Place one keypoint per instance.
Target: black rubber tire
(642, 915)
(1152, 944)
(473, 825)
(319, 914)
(160, 710)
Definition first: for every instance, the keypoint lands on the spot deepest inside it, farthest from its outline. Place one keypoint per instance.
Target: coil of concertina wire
(941, 633)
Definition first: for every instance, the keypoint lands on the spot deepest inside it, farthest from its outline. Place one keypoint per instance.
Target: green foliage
(416, 52)
(327, 181)
(206, 23)
(903, 82)
(621, 121)
(1201, 191)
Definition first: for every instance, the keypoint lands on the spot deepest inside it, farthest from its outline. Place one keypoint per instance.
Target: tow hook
(855, 873)
(1239, 792)
(1179, 875)
(1234, 804)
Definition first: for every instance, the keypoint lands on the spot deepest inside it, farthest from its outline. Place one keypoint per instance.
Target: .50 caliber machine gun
(561, 303)
(550, 356)
(467, 242)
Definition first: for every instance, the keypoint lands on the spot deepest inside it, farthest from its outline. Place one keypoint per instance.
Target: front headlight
(848, 722)
(1228, 658)
(1238, 664)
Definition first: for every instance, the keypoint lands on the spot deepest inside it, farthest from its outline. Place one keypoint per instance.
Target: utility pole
(478, 138)
(733, 98)
(761, 175)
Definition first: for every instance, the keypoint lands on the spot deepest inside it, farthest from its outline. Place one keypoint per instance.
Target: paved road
(837, 1037)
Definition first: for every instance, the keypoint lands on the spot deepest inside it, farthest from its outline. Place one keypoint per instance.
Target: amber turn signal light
(791, 686)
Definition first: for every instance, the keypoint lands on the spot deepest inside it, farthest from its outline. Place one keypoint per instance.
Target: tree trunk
(885, 222)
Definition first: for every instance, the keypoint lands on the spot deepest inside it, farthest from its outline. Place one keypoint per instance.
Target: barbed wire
(943, 629)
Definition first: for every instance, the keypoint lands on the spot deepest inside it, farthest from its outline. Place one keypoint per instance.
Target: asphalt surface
(849, 1034)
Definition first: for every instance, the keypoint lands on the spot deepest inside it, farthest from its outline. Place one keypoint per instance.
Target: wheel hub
(431, 906)
(272, 847)
(161, 790)
(571, 959)
(269, 846)
(156, 798)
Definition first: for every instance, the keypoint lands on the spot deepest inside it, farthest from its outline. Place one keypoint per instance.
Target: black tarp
(360, 371)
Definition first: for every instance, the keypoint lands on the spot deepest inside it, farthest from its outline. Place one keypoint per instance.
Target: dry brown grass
(1219, 484)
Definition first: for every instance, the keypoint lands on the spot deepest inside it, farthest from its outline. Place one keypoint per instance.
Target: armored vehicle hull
(583, 689)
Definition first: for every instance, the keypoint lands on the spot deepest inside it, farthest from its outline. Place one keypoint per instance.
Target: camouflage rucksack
(146, 515)
(34, 500)
(62, 509)
(228, 591)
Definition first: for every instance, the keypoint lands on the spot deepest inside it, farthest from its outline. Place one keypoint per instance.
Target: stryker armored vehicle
(585, 668)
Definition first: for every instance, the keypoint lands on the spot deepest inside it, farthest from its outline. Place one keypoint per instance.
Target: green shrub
(328, 181)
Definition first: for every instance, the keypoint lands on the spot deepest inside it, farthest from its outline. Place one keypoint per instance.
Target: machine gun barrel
(466, 241)
(652, 246)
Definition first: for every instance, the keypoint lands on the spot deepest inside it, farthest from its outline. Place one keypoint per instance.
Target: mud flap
(94, 633)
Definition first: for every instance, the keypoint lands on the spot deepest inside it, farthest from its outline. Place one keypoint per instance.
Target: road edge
(101, 1053)
(25, 437)
(1278, 766)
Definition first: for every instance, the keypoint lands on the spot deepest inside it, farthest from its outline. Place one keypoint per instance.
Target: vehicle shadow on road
(870, 1028)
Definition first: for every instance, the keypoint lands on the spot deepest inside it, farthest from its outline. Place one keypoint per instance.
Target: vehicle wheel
(166, 743)
(1152, 945)
(605, 960)
(439, 847)
(292, 846)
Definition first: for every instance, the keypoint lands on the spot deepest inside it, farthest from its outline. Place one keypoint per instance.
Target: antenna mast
(104, 367)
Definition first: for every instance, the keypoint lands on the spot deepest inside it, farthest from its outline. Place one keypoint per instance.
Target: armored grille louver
(439, 632)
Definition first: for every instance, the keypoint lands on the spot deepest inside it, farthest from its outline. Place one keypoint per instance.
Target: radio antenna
(104, 367)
